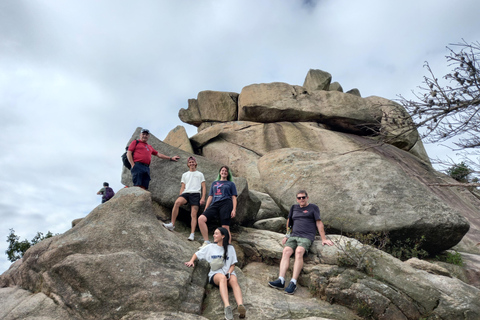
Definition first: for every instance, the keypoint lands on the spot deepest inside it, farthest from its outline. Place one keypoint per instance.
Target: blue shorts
(141, 175)
(221, 209)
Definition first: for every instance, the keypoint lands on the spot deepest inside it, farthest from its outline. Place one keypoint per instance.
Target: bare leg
(237, 292)
(298, 265)
(285, 262)
(194, 218)
(221, 281)
(179, 202)
(229, 234)
(202, 225)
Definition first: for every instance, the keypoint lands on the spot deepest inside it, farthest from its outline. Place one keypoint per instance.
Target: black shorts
(220, 209)
(192, 198)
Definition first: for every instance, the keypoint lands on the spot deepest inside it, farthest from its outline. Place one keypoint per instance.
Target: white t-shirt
(193, 181)
(213, 251)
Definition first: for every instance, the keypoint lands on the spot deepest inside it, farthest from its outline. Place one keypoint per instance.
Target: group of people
(302, 224)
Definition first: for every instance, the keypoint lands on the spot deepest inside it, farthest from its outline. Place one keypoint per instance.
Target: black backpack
(125, 161)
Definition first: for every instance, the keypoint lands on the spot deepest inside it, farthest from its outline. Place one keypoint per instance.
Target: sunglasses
(304, 197)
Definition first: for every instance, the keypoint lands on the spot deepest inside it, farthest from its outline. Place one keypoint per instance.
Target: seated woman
(222, 258)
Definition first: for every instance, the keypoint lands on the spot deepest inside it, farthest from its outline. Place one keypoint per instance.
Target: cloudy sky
(78, 77)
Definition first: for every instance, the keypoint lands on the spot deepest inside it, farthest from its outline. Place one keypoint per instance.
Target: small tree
(16, 249)
(450, 109)
(460, 172)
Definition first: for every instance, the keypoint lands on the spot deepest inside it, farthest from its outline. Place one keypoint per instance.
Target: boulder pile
(360, 159)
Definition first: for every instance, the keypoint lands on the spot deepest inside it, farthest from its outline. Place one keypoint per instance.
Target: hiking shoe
(204, 245)
(191, 237)
(277, 284)
(228, 313)
(291, 288)
(242, 311)
(169, 226)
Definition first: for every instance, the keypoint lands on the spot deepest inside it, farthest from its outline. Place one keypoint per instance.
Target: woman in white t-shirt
(222, 258)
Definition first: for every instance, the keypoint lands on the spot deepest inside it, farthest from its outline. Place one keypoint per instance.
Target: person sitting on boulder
(305, 218)
(221, 203)
(222, 258)
(106, 192)
(193, 185)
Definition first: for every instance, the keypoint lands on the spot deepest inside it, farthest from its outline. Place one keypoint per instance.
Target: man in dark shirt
(139, 155)
(305, 218)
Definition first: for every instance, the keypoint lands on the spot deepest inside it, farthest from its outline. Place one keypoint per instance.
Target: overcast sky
(78, 77)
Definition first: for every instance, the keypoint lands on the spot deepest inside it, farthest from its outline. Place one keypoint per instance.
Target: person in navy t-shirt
(221, 203)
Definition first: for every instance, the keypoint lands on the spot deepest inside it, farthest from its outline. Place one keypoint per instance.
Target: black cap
(145, 131)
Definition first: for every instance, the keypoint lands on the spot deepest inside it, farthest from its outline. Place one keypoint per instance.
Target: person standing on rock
(139, 155)
(106, 192)
(222, 258)
(221, 203)
(304, 221)
(193, 186)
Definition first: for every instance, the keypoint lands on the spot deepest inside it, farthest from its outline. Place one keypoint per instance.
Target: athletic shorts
(192, 198)
(221, 209)
(294, 242)
(141, 175)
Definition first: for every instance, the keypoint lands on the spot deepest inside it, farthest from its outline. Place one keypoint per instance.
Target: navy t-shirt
(304, 220)
(222, 189)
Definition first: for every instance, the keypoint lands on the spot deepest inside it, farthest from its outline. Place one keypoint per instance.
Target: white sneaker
(191, 237)
(205, 243)
(169, 226)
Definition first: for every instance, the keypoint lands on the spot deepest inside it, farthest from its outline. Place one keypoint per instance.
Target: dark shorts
(192, 198)
(141, 175)
(220, 209)
(294, 242)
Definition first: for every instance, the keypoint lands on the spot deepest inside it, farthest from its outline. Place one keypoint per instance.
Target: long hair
(229, 177)
(226, 240)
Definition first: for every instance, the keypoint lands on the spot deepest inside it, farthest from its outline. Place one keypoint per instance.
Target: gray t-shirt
(304, 221)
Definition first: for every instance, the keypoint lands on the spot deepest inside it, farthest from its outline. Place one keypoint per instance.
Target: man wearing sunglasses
(304, 220)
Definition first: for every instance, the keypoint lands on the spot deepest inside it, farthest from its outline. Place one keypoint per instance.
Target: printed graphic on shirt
(218, 191)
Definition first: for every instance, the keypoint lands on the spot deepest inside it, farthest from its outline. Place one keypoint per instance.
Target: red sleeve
(132, 145)
(154, 152)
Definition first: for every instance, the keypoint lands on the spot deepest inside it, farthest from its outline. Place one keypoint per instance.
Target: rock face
(358, 158)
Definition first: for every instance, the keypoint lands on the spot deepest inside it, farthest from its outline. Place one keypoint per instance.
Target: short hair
(302, 191)
(105, 184)
(192, 158)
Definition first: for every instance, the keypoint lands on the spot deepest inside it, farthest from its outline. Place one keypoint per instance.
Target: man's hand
(284, 240)
(327, 242)
(175, 158)
(202, 202)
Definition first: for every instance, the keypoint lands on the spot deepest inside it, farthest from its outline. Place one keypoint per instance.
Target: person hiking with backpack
(139, 156)
(106, 192)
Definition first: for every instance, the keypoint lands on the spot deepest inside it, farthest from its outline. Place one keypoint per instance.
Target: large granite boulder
(369, 188)
(210, 106)
(317, 80)
(178, 138)
(166, 176)
(119, 259)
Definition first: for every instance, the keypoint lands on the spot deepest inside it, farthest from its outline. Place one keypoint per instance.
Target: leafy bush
(449, 257)
(16, 249)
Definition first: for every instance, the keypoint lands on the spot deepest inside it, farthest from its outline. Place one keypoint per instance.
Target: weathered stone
(363, 190)
(427, 266)
(335, 86)
(355, 92)
(317, 80)
(166, 175)
(273, 224)
(76, 221)
(192, 114)
(117, 260)
(178, 138)
(268, 208)
(210, 106)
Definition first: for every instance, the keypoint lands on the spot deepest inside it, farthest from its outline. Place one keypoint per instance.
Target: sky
(78, 77)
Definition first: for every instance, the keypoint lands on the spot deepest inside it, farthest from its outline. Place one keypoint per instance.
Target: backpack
(125, 161)
(109, 193)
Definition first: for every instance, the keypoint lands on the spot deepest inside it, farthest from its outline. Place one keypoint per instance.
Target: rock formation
(359, 158)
